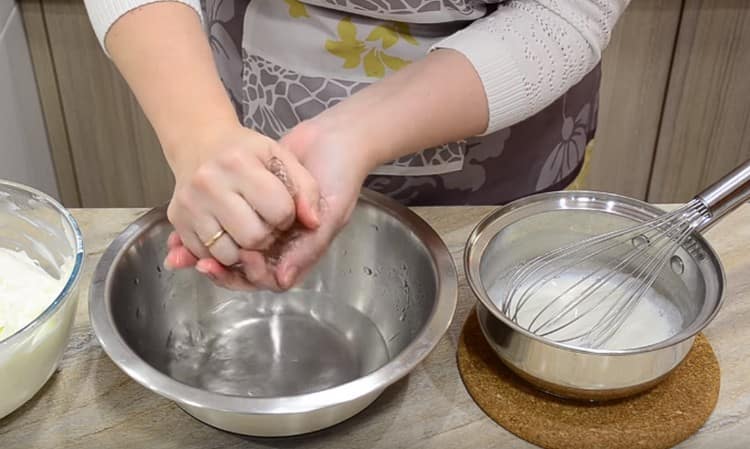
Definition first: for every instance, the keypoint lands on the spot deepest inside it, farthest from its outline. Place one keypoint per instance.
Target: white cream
(26, 290)
(652, 319)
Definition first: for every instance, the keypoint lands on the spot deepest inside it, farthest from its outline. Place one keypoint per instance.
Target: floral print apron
(284, 61)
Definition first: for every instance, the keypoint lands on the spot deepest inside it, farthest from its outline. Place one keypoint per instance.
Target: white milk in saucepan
(652, 319)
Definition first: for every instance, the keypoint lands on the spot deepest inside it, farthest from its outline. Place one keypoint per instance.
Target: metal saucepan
(268, 364)
(534, 225)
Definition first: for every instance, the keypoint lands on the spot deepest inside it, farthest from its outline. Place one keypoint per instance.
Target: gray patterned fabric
(223, 21)
(405, 6)
(544, 152)
(536, 155)
(275, 99)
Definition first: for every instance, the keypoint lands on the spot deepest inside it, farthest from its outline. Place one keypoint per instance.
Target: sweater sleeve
(528, 53)
(104, 13)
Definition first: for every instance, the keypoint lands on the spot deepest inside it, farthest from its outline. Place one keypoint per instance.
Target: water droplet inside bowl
(678, 266)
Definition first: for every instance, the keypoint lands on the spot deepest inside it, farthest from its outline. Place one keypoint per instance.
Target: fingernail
(316, 217)
(316, 212)
(291, 276)
(202, 270)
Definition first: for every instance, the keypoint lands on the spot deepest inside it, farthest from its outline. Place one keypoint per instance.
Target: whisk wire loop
(626, 263)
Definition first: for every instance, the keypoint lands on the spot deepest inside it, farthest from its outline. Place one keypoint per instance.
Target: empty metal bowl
(268, 364)
(693, 284)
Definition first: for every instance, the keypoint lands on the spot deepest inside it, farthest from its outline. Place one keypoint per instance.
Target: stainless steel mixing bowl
(268, 364)
(537, 224)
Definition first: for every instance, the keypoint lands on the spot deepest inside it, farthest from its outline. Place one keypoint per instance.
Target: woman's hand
(435, 100)
(234, 186)
(339, 168)
(237, 190)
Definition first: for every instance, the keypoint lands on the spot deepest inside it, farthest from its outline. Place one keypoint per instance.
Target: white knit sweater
(527, 53)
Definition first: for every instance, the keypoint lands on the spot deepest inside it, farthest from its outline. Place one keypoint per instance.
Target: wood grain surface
(706, 125)
(44, 69)
(118, 160)
(635, 71)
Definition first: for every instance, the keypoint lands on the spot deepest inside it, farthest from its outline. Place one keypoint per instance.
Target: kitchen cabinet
(673, 117)
(105, 151)
(705, 130)
(24, 151)
(635, 74)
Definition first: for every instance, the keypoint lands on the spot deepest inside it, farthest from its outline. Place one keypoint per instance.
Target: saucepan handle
(726, 194)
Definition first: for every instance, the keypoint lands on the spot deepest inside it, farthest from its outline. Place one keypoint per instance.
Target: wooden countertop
(90, 403)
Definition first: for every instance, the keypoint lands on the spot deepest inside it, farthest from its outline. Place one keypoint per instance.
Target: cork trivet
(659, 418)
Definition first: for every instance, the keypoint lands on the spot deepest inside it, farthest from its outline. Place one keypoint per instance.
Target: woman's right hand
(224, 179)
(240, 182)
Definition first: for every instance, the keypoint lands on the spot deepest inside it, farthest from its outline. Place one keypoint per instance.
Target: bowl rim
(396, 368)
(75, 273)
(472, 259)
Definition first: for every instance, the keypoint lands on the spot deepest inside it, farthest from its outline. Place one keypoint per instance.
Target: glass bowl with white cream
(41, 256)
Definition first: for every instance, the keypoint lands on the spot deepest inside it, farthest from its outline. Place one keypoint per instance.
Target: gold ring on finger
(214, 238)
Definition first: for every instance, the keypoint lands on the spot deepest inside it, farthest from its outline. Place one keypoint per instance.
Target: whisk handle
(727, 193)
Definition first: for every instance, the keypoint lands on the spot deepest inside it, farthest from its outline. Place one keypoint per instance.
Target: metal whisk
(584, 292)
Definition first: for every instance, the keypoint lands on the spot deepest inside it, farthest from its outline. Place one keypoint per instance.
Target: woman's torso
(285, 61)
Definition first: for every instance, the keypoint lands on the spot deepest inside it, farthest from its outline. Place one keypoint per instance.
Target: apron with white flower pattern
(284, 61)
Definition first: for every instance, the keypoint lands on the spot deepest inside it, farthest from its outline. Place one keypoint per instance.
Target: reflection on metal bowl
(268, 364)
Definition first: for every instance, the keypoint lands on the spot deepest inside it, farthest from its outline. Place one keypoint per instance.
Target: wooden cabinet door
(114, 153)
(635, 71)
(705, 130)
